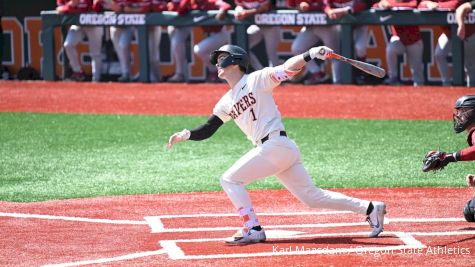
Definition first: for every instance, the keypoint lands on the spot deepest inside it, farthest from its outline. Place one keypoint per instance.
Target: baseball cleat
(247, 236)
(376, 218)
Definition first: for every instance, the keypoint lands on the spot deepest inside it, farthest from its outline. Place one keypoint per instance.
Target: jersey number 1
(253, 115)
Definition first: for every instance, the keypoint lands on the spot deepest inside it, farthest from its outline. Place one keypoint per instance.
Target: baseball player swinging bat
(366, 67)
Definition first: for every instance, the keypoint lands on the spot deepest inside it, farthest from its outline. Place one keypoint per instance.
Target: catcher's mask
(469, 210)
(236, 56)
(464, 113)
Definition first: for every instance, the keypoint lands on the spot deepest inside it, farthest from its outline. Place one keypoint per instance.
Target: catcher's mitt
(436, 160)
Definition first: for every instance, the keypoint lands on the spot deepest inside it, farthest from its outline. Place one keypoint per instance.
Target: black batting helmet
(469, 210)
(237, 56)
(463, 119)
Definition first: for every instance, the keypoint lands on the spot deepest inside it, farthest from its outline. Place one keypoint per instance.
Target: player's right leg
(73, 37)
(441, 53)
(361, 39)
(178, 36)
(155, 36)
(414, 55)
(272, 40)
(255, 36)
(394, 49)
(120, 36)
(94, 36)
(330, 37)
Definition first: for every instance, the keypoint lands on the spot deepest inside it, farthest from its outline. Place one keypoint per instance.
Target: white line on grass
(105, 260)
(66, 218)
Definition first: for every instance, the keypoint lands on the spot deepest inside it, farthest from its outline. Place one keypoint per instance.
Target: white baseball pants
(414, 57)
(441, 53)
(94, 36)
(154, 38)
(178, 37)
(280, 156)
(122, 38)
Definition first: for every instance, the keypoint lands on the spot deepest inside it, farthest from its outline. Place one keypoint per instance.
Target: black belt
(282, 133)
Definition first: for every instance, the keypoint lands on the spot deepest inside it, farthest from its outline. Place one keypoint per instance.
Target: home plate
(282, 233)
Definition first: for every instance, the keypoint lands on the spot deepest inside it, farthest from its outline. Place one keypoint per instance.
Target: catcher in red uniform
(464, 120)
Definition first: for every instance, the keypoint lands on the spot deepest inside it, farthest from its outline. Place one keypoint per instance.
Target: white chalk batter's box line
(156, 224)
(174, 252)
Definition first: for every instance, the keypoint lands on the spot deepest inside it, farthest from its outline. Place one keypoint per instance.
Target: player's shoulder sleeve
(222, 108)
(270, 77)
(264, 79)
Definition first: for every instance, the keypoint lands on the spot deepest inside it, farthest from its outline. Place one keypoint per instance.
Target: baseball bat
(366, 67)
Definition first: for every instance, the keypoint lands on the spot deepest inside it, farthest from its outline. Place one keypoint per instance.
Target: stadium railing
(51, 19)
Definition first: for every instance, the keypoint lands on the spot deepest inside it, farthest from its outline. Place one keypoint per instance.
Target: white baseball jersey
(250, 99)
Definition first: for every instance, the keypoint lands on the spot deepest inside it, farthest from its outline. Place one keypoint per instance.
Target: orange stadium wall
(24, 48)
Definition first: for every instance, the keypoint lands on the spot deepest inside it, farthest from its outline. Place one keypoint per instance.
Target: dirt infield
(425, 226)
(188, 229)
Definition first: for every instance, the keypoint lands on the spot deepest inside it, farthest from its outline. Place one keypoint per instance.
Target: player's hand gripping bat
(366, 67)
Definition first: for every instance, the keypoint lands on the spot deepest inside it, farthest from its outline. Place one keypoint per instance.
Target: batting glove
(178, 137)
(320, 52)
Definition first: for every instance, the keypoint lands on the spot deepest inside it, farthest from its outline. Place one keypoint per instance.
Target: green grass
(59, 156)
